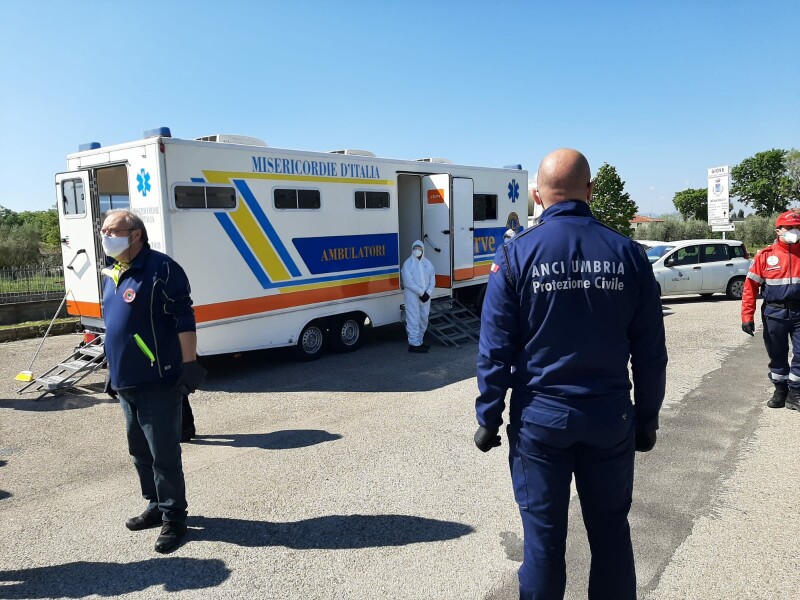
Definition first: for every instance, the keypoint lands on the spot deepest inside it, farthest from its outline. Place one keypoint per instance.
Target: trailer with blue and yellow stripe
(286, 247)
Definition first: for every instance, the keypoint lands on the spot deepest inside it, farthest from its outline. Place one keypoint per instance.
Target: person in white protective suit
(419, 280)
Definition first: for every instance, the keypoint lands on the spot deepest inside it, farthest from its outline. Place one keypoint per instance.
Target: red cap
(788, 219)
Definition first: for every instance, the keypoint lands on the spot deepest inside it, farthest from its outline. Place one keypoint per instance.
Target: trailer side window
(372, 199)
(484, 207)
(203, 196)
(295, 199)
(72, 199)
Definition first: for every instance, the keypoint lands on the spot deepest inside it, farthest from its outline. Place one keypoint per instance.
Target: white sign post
(718, 199)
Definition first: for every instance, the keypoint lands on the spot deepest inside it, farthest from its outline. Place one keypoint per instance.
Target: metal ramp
(85, 360)
(452, 323)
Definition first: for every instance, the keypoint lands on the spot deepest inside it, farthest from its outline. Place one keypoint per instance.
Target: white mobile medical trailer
(285, 247)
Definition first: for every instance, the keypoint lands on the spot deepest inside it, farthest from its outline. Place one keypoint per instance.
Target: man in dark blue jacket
(151, 351)
(568, 305)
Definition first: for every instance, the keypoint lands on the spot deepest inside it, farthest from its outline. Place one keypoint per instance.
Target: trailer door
(436, 227)
(78, 220)
(463, 229)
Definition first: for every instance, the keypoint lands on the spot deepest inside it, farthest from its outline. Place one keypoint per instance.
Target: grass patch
(42, 324)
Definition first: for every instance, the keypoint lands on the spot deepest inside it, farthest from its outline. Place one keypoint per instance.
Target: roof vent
(353, 152)
(228, 138)
(89, 146)
(157, 132)
(516, 167)
(436, 159)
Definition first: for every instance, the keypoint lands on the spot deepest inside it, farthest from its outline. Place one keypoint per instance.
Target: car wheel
(735, 288)
(347, 333)
(311, 343)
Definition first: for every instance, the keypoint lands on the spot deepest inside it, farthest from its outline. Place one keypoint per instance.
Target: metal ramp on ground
(85, 360)
(451, 323)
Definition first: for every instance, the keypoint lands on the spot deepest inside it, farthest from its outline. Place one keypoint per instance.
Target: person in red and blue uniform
(150, 346)
(775, 273)
(569, 304)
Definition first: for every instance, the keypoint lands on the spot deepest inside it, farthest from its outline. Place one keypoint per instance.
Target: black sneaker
(417, 349)
(170, 537)
(147, 520)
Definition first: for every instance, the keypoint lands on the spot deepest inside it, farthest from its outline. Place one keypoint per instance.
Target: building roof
(643, 219)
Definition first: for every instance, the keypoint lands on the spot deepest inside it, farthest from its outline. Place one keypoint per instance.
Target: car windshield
(656, 252)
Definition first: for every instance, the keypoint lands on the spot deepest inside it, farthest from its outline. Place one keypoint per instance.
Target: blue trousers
(777, 333)
(153, 424)
(541, 473)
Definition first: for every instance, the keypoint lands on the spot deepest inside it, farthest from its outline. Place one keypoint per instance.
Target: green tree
(762, 182)
(610, 204)
(793, 172)
(692, 203)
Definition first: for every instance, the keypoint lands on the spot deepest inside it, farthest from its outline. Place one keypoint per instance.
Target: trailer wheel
(347, 333)
(311, 343)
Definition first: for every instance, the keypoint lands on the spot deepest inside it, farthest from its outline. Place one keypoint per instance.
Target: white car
(702, 267)
(649, 243)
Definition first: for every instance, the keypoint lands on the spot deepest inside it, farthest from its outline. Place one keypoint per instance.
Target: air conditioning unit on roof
(353, 152)
(435, 159)
(227, 138)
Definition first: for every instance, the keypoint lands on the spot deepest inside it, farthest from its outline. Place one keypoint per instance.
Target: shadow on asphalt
(90, 395)
(3, 493)
(382, 364)
(79, 579)
(275, 440)
(333, 532)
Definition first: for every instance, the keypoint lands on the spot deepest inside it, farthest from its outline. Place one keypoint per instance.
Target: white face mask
(417, 252)
(791, 236)
(114, 246)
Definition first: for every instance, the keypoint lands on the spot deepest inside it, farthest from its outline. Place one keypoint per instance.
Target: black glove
(486, 439)
(749, 328)
(191, 377)
(425, 297)
(107, 387)
(645, 440)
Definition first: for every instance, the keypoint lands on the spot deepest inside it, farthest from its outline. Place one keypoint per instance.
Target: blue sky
(660, 90)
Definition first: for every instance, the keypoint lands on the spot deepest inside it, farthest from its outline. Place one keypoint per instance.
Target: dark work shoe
(417, 349)
(188, 434)
(778, 397)
(170, 537)
(793, 400)
(426, 347)
(148, 519)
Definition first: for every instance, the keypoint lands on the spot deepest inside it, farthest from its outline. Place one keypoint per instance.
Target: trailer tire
(311, 343)
(347, 333)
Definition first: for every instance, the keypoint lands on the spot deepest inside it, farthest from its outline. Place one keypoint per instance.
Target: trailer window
(72, 199)
(203, 196)
(372, 199)
(296, 199)
(484, 207)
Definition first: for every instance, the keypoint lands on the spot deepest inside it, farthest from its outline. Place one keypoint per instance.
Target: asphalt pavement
(355, 477)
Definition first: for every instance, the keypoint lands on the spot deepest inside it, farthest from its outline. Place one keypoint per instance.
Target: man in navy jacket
(150, 347)
(569, 303)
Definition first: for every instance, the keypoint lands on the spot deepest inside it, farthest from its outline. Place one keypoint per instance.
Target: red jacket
(776, 273)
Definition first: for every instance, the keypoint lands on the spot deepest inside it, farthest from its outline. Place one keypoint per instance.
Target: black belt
(790, 304)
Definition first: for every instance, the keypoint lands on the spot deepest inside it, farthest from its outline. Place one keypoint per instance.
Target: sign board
(729, 227)
(718, 197)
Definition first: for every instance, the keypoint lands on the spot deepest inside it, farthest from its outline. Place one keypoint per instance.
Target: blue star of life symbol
(143, 179)
(513, 190)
